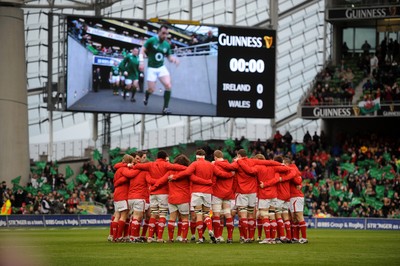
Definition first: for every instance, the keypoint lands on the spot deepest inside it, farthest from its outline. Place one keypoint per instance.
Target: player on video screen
(114, 77)
(129, 66)
(156, 48)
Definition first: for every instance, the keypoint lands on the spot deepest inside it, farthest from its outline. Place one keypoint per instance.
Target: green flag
(227, 156)
(349, 167)
(82, 178)
(386, 156)
(182, 146)
(114, 152)
(345, 157)
(335, 177)
(355, 201)
(110, 175)
(333, 205)
(306, 211)
(376, 173)
(175, 152)
(367, 163)
(99, 174)
(299, 148)
(361, 171)
(53, 171)
(116, 160)
(46, 188)
(336, 193)
(62, 192)
(376, 204)
(380, 191)
(153, 152)
(16, 187)
(99, 183)
(41, 165)
(16, 180)
(315, 191)
(131, 150)
(229, 144)
(321, 182)
(68, 172)
(71, 186)
(96, 155)
(31, 190)
(245, 144)
(36, 170)
(389, 176)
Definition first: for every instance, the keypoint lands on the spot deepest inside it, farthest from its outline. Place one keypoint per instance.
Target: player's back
(295, 182)
(138, 187)
(158, 168)
(222, 187)
(247, 184)
(283, 189)
(268, 177)
(121, 191)
(203, 169)
(179, 190)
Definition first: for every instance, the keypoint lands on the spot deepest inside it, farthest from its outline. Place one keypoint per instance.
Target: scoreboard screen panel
(142, 67)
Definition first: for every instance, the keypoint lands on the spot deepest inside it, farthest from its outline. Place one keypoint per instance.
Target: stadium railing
(210, 48)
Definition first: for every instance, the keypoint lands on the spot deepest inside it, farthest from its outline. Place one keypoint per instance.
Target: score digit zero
(252, 66)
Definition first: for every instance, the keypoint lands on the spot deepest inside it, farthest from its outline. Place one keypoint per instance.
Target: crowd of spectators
(50, 192)
(335, 84)
(357, 176)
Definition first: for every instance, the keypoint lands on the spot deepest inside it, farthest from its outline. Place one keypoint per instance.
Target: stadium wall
(104, 220)
(202, 84)
(79, 76)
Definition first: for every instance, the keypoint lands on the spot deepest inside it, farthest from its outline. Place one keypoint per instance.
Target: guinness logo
(392, 11)
(356, 111)
(268, 41)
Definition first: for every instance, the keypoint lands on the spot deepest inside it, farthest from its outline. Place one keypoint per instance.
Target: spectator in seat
(373, 65)
(72, 204)
(312, 100)
(45, 207)
(366, 47)
(367, 85)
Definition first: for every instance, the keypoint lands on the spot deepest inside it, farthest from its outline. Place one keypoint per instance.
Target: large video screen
(142, 67)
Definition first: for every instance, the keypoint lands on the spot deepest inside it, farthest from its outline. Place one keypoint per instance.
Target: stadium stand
(356, 177)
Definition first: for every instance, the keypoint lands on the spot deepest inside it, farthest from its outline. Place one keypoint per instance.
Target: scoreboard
(231, 74)
(246, 72)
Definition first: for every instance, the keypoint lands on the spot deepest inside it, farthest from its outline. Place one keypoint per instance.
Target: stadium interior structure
(308, 41)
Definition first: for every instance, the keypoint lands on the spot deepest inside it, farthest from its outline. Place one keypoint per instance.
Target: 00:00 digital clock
(241, 65)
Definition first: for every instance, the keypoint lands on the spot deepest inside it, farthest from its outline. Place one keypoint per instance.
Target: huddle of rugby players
(265, 194)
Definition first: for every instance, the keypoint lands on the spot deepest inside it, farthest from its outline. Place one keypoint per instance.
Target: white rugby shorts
(154, 73)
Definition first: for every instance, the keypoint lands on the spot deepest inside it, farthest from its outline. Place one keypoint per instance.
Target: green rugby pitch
(88, 246)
